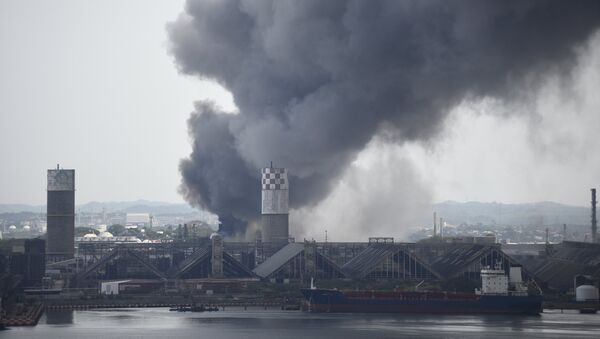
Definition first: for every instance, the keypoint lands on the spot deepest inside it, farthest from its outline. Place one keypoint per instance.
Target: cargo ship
(498, 295)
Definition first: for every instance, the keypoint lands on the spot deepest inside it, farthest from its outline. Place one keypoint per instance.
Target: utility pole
(434, 224)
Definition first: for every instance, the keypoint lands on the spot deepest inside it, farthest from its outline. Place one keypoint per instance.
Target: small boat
(195, 308)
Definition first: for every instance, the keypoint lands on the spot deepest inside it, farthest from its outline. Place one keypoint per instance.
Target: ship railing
(495, 293)
(518, 293)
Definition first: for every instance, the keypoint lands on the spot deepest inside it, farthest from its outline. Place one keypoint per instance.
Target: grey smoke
(315, 81)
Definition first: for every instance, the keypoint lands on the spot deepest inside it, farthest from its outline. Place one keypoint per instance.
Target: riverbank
(26, 315)
(583, 307)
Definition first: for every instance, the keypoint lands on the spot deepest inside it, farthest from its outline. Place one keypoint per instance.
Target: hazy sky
(91, 85)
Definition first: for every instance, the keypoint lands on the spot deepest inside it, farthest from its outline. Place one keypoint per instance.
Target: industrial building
(558, 264)
(25, 259)
(275, 205)
(165, 261)
(302, 261)
(131, 286)
(60, 214)
(552, 267)
(138, 219)
(189, 262)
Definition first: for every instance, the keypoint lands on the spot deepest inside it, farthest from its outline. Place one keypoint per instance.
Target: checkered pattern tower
(275, 198)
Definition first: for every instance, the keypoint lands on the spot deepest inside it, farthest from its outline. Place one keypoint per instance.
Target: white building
(138, 219)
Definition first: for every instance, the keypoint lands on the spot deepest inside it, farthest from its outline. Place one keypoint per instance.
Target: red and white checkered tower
(275, 210)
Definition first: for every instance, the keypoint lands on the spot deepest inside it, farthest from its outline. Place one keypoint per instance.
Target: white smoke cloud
(545, 148)
(380, 194)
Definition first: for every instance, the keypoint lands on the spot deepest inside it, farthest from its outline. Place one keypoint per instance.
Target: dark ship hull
(321, 300)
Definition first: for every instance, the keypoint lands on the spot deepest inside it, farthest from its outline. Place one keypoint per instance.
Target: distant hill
(17, 208)
(531, 214)
(160, 209)
(487, 213)
(138, 206)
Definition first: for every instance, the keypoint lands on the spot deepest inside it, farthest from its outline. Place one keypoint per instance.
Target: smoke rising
(544, 150)
(316, 81)
(379, 194)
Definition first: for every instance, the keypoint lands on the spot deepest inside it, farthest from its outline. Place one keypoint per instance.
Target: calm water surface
(250, 324)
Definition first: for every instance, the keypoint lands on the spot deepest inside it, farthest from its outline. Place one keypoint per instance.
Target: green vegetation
(117, 230)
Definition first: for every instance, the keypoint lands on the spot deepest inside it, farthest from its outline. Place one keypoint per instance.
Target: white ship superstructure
(494, 281)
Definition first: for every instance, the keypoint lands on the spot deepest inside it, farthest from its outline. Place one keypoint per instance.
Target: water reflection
(59, 317)
(254, 324)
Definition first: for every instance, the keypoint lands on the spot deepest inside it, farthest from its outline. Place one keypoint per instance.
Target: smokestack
(594, 221)
(275, 201)
(441, 227)
(60, 214)
(434, 225)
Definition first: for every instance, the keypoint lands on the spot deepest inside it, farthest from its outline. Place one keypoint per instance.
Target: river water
(152, 323)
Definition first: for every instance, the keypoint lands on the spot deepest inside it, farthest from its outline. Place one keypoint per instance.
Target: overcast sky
(91, 85)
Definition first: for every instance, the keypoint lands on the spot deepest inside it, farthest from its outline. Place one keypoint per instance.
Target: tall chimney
(275, 209)
(594, 221)
(441, 227)
(434, 224)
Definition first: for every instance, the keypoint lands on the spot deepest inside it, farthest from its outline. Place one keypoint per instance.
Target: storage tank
(586, 293)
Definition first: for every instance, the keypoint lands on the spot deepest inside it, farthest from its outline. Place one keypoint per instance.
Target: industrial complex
(274, 265)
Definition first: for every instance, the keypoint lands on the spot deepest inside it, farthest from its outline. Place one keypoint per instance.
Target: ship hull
(337, 302)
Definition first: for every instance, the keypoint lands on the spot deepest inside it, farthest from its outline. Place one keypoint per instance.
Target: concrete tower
(275, 198)
(60, 214)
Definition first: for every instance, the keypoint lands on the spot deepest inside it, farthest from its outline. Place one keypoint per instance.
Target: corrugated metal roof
(367, 260)
(363, 264)
(564, 262)
(459, 256)
(278, 259)
(234, 267)
(192, 260)
(578, 252)
(560, 273)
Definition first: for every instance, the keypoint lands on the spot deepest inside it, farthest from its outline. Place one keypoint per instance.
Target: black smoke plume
(315, 81)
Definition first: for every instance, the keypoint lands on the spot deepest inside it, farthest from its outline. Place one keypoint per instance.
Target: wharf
(582, 307)
(28, 317)
(175, 303)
